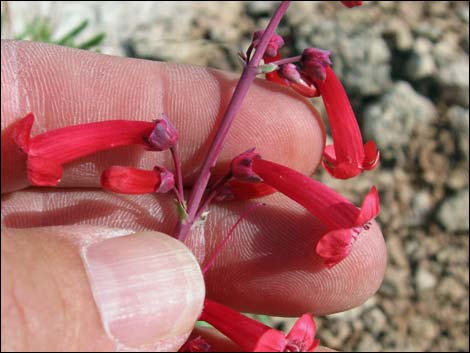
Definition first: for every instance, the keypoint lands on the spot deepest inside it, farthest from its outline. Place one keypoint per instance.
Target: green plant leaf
(92, 42)
(72, 34)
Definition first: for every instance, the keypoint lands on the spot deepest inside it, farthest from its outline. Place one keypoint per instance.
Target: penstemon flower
(347, 157)
(47, 153)
(253, 336)
(249, 175)
(343, 219)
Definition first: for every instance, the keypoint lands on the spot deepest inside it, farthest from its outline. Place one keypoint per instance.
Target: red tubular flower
(127, 180)
(351, 3)
(48, 152)
(347, 157)
(253, 336)
(343, 218)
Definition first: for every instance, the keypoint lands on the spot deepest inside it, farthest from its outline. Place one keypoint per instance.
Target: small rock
(421, 63)
(260, 8)
(396, 283)
(421, 206)
(454, 80)
(459, 120)
(336, 335)
(391, 121)
(450, 288)
(423, 332)
(453, 213)
(425, 280)
(397, 251)
(368, 343)
(375, 321)
(463, 13)
(399, 33)
(428, 30)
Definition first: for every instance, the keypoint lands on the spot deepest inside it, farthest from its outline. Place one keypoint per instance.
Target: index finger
(65, 87)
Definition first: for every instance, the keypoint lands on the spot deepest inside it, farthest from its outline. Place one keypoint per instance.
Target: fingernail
(148, 289)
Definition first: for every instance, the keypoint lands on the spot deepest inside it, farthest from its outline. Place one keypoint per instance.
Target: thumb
(138, 292)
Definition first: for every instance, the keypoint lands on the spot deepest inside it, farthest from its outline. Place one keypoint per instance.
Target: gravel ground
(405, 66)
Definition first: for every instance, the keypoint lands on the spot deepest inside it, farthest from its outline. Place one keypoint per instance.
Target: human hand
(269, 266)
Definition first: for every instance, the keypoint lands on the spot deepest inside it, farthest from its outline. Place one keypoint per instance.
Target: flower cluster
(249, 176)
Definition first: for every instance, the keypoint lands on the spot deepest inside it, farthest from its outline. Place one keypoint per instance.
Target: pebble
(453, 214)
(391, 121)
(450, 288)
(421, 63)
(459, 121)
(425, 280)
(454, 80)
(375, 321)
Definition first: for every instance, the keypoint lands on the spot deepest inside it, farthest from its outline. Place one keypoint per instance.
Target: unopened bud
(164, 135)
(275, 43)
(167, 180)
(290, 72)
(242, 166)
(314, 62)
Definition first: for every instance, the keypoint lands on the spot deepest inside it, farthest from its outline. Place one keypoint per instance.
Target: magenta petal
(22, 132)
(128, 180)
(44, 172)
(341, 170)
(335, 246)
(372, 156)
(370, 207)
(271, 341)
(303, 332)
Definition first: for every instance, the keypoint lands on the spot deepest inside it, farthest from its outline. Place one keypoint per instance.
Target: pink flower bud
(314, 63)
(276, 42)
(242, 166)
(167, 180)
(290, 72)
(164, 135)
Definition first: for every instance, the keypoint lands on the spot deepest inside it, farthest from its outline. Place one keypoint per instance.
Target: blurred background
(405, 66)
